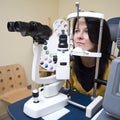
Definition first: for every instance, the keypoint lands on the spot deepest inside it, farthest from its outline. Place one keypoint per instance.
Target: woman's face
(81, 38)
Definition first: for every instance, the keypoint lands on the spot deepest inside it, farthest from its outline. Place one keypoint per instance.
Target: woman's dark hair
(93, 25)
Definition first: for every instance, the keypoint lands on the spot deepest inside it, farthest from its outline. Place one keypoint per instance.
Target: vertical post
(98, 59)
(78, 10)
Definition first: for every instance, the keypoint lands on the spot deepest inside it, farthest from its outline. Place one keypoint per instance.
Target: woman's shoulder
(107, 71)
(112, 57)
(72, 63)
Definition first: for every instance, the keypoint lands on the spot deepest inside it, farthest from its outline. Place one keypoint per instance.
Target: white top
(86, 14)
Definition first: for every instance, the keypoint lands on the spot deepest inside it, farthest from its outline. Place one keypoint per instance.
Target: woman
(83, 68)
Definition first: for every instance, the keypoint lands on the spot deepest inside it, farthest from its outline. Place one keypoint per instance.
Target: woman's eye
(86, 30)
(76, 30)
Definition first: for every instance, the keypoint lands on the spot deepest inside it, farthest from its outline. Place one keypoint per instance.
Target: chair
(114, 24)
(13, 83)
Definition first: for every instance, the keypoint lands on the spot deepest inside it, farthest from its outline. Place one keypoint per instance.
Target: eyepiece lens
(10, 26)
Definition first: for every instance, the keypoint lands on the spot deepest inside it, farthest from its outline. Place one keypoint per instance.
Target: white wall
(110, 8)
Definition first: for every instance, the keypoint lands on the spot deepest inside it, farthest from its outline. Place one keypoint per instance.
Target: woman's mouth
(79, 44)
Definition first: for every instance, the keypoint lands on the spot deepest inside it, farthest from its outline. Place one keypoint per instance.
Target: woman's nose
(80, 35)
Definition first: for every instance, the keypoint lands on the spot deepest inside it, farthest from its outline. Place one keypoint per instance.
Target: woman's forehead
(82, 21)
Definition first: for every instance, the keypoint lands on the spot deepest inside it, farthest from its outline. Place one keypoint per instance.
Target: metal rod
(69, 24)
(76, 104)
(78, 10)
(98, 59)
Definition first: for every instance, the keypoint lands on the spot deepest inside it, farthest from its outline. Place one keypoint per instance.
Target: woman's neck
(88, 61)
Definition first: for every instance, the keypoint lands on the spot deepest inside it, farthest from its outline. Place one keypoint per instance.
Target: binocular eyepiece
(33, 29)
